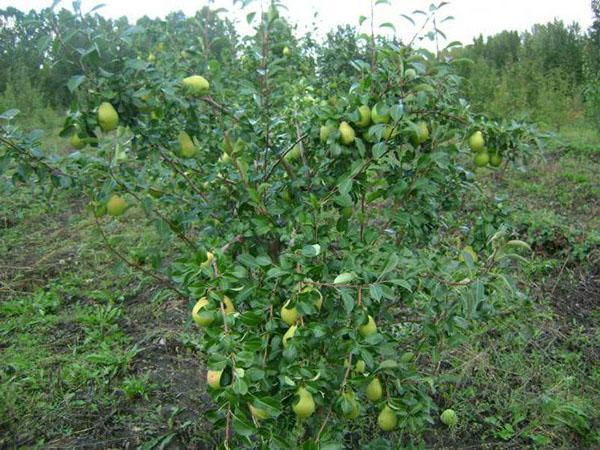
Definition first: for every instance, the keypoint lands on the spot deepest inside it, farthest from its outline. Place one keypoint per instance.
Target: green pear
(187, 148)
(374, 390)
(286, 51)
(293, 154)
(77, 142)
(324, 132)
(365, 116)
(360, 366)
(476, 142)
(196, 84)
(347, 133)
(449, 418)
(289, 315)
(378, 117)
(495, 159)
(289, 334)
(116, 206)
(305, 406)
(422, 132)
(387, 419)
(369, 328)
(108, 118)
(482, 158)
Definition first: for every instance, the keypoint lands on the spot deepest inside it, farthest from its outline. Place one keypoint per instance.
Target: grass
(94, 354)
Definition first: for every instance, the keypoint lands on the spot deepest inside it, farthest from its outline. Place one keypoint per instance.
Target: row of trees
(548, 74)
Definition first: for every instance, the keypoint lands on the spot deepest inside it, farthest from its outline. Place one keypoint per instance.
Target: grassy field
(95, 355)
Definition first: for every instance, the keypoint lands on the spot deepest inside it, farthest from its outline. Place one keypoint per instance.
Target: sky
(471, 17)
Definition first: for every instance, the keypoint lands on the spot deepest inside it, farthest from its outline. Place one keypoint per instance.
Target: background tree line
(549, 74)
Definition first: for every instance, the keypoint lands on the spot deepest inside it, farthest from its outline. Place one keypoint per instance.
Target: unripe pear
(387, 419)
(196, 84)
(77, 142)
(365, 116)
(187, 148)
(213, 378)
(482, 158)
(202, 319)
(289, 334)
(325, 132)
(369, 328)
(355, 411)
(289, 315)
(374, 390)
(377, 117)
(449, 418)
(228, 305)
(360, 366)
(495, 159)
(116, 206)
(151, 57)
(422, 132)
(305, 407)
(476, 142)
(286, 51)
(258, 413)
(347, 133)
(108, 118)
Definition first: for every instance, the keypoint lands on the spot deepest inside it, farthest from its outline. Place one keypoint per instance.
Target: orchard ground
(94, 354)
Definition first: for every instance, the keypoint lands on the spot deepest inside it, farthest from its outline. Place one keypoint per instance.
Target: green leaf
(311, 250)
(343, 278)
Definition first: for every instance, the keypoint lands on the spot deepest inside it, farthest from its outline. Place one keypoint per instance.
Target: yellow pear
(229, 308)
(116, 206)
(213, 378)
(289, 315)
(187, 148)
(369, 328)
(196, 84)
(108, 118)
(305, 406)
(374, 390)
(289, 334)
(387, 419)
(365, 116)
(347, 133)
(476, 141)
(202, 319)
(258, 413)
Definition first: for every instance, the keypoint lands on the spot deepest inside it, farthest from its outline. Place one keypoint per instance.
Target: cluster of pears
(483, 157)
(378, 114)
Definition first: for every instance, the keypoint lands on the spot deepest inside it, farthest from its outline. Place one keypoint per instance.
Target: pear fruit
(495, 159)
(374, 390)
(369, 328)
(196, 84)
(365, 116)
(289, 334)
(77, 142)
(378, 117)
(387, 419)
(476, 142)
(116, 206)
(324, 132)
(449, 418)
(286, 51)
(213, 378)
(228, 305)
(305, 407)
(187, 148)
(202, 318)
(347, 133)
(482, 158)
(108, 118)
(258, 413)
(422, 132)
(289, 315)
(360, 366)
